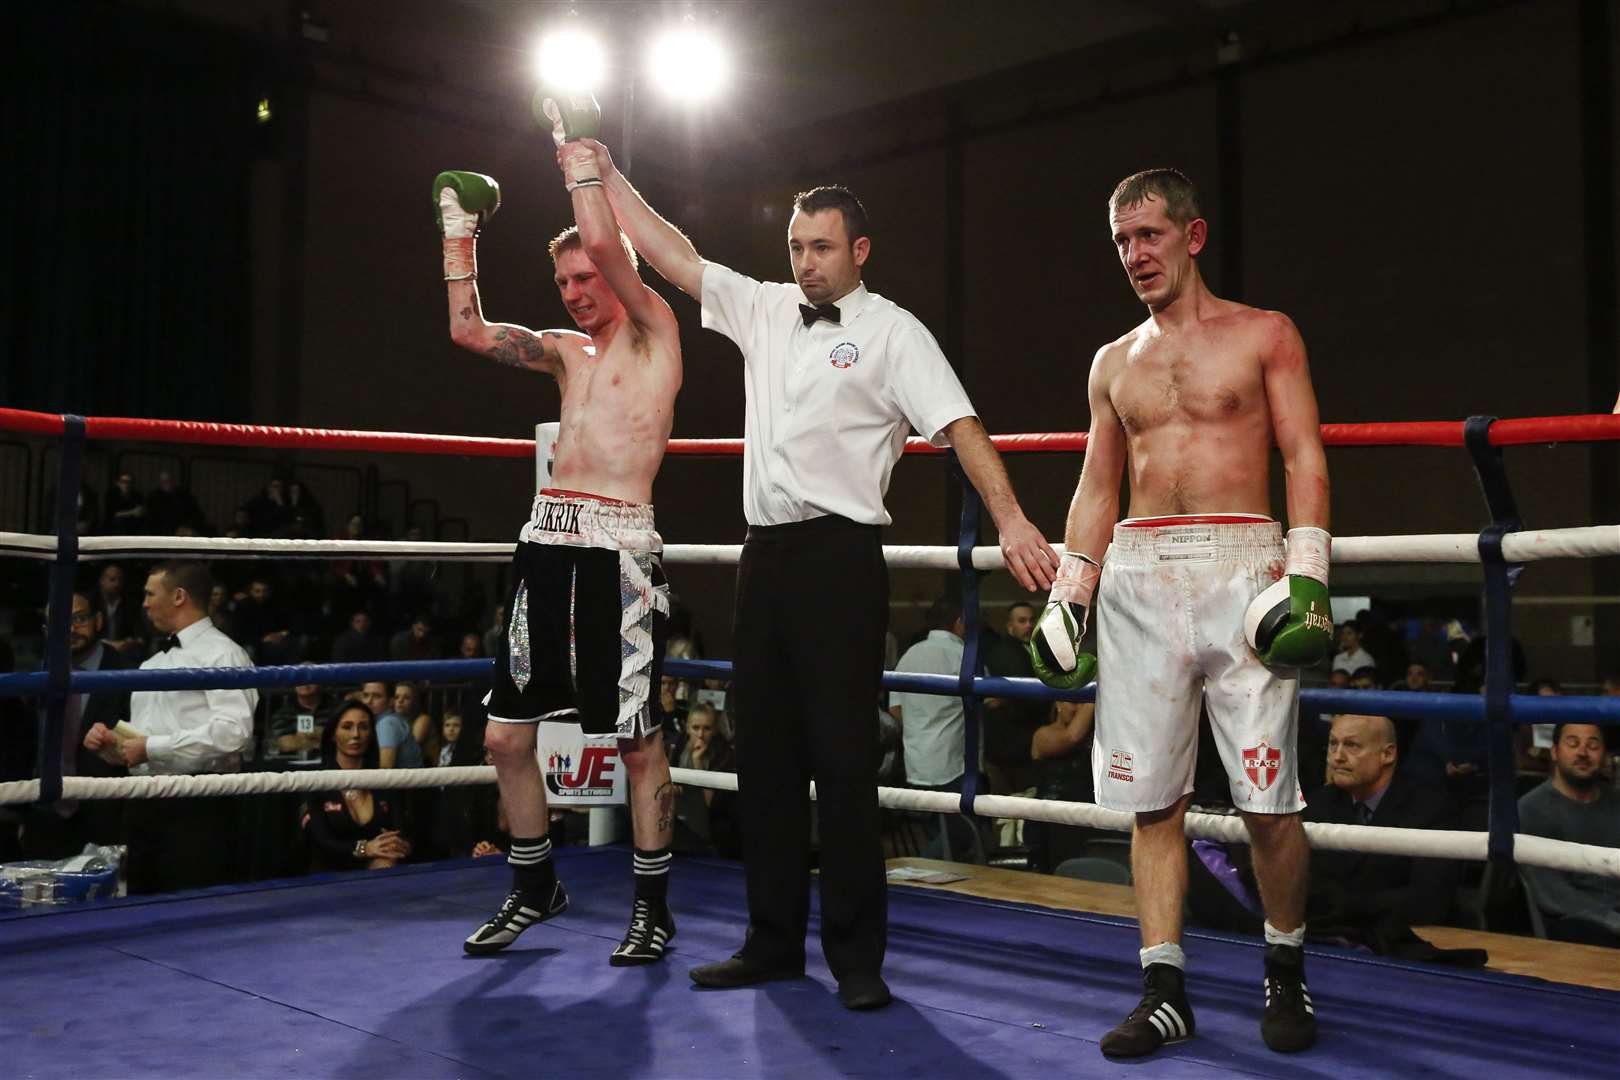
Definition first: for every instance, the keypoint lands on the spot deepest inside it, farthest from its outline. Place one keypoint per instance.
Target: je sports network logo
(585, 772)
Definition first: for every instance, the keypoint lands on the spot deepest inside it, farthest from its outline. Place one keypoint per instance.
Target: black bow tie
(820, 311)
(170, 642)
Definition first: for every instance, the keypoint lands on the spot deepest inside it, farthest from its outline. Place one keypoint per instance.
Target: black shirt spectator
(125, 510)
(353, 829)
(170, 507)
(1009, 724)
(357, 644)
(415, 642)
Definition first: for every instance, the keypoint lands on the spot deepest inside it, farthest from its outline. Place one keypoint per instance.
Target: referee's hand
(1029, 557)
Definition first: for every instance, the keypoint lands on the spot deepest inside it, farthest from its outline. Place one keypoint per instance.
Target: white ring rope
(1371, 839)
(1529, 546)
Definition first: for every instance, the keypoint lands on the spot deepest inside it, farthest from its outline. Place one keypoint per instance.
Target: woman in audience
(351, 829)
(702, 814)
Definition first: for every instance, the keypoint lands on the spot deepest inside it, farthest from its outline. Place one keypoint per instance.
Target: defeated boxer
(1204, 602)
(589, 601)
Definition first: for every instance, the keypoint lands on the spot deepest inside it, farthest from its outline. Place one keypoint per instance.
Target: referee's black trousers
(812, 611)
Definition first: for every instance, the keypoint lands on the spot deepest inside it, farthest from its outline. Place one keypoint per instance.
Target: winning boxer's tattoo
(665, 798)
(517, 350)
(466, 312)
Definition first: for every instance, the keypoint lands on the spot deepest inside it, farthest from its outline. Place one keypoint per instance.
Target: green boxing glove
(464, 201)
(575, 117)
(1054, 647)
(1290, 624)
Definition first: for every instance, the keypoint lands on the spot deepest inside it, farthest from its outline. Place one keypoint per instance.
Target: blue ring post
(58, 660)
(967, 537)
(1500, 577)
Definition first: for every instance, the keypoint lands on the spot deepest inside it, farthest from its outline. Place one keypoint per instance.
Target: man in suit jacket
(62, 829)
(1376, 899)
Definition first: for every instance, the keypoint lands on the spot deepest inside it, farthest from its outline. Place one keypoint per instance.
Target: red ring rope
(1519, 432)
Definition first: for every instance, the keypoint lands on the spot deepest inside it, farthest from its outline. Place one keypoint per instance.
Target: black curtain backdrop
(130, 145)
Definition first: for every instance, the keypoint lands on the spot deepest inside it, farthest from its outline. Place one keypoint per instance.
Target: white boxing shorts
(1169, 618)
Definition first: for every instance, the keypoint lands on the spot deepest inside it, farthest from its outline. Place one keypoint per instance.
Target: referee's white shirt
(828, 406)
(194, 731)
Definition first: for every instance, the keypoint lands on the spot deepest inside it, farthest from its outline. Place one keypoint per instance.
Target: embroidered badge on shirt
(844, 354)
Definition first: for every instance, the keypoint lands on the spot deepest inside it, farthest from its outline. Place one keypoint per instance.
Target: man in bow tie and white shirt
(182, 843)
(835, 378)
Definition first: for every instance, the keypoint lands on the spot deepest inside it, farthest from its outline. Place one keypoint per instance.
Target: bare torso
(1193, 406)
(618, 404)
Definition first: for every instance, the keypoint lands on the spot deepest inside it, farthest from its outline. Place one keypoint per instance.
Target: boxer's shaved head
(569, 240)
(1169, 186)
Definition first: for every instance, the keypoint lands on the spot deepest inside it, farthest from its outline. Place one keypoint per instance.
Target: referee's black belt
(817, 526)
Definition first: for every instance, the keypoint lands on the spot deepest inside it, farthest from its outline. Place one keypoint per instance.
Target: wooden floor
(1555, 961)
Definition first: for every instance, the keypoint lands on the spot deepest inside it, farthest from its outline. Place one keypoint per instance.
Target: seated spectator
(263, 626)
(410, 706)
(306, 519)
(1575, 804)
(357, 644)
(472, 819)
(1375, 900)
(1610, 686)
(376, 696)
(410, 581)
(415, 642)
(1416, 681)
(1009, 724)
(294, 730)
(1339, 679)
(62, 829)
(397, 747)
(241, 524)
(219, 610)
(358, 584)
(125, 510)
(352, 829)
(1351, 657)
(171, 508)
(1061, 752)
(121, 623)
(472, 646)
(268, 513)
(933, 727)
(698, 810)
(672, 702)
(1364, 679)
(1533, 742)
(450, 728)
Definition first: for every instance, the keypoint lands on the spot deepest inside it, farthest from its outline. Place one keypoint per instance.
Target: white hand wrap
(460, 227)
(1076, 581)
(1310, 551)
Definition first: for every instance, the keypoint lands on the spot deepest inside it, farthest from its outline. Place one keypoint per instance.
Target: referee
(835, 377)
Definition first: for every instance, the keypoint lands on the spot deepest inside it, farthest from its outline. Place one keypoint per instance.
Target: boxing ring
(360, 975)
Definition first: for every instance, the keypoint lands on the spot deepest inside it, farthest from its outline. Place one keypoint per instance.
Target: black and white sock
(652, 873)
(530, 860)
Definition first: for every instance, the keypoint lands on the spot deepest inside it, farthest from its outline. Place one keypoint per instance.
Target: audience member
(1575, 804)
(1351, 657)
(410, 581)
(701, 812)
(124, 511)
(1533, 742)
(1375, 900)
(219, 611)
(357, 644)
(1364, 679)
(450, 728)
(1339, 679)
(1061, 751)
(672, 709)
(353, 829)
(415, 642)
(181, 843)
(472, 646)
(264, 627)
(358, 584)
(396, 741)
(376, 696)
(62, 829)
(268, 513)
(306, 519)
(933, 726)
(294, 730)
(170, 508)
(495, 636)
(120, 618)
(1009, 724)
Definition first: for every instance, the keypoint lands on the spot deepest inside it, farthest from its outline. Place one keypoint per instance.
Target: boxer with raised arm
(1199, 600)
(589, 602)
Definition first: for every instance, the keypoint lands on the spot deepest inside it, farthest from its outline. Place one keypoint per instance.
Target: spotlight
(572, 61)
(688, 63)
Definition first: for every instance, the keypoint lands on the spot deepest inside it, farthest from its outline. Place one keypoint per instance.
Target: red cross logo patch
(1261, 763)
